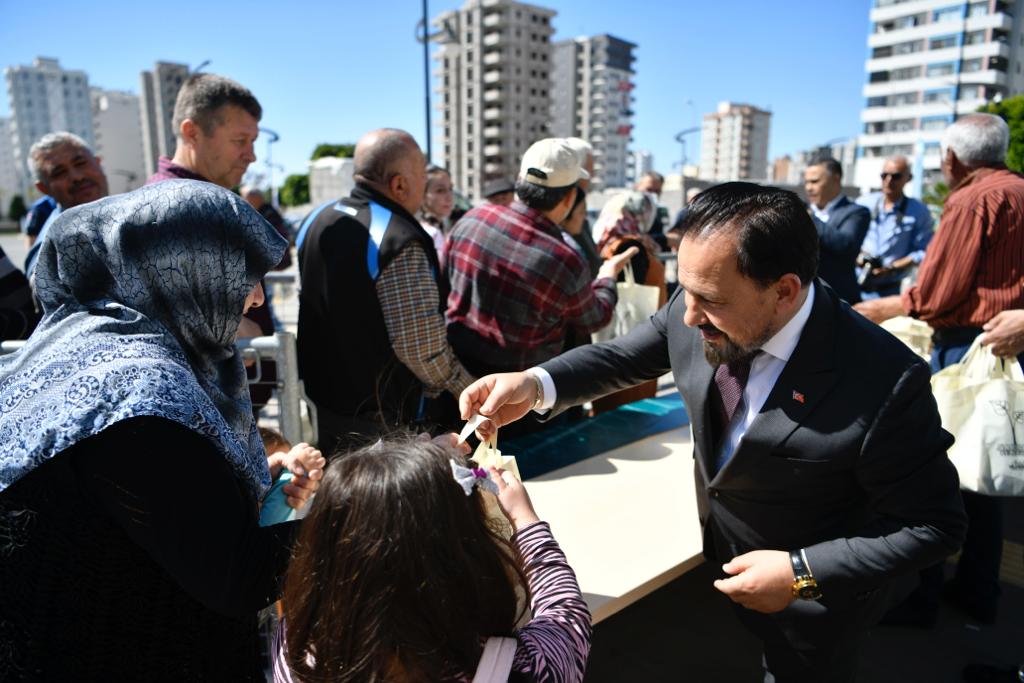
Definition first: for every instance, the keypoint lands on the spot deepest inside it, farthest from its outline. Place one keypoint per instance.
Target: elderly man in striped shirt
(971, 272)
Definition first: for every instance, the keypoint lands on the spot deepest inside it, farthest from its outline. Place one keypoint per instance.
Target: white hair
(47, 144)
(977, 139)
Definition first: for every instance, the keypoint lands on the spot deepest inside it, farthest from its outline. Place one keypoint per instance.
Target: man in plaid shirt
(516, 286)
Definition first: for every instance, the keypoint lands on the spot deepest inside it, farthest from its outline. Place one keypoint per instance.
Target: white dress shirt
(764, 372)
(823, 214)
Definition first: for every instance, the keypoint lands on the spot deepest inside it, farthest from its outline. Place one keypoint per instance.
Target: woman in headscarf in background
(131, 471)
(624, 222)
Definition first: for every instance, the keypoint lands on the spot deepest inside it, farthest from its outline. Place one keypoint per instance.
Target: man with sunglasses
(898, 235)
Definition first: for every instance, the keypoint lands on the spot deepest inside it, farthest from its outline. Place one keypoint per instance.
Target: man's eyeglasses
(894, 176)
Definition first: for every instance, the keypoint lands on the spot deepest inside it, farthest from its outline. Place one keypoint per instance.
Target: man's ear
(398, 185)
(788, 288)
(189, 131)
(42, 188)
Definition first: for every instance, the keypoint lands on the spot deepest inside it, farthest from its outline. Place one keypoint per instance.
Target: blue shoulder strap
(379, 219)
(304, 228)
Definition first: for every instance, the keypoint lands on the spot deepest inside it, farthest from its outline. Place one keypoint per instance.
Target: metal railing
(279, 348)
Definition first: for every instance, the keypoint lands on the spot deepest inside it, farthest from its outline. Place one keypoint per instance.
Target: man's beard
(727, 351)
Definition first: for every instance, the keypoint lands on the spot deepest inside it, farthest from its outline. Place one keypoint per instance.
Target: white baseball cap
(552, 162)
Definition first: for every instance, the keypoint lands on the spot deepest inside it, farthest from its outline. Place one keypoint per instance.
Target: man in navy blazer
(828, 479)
(842, 226)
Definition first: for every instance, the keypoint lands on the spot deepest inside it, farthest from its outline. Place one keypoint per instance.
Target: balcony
(493, 20)
(492, 150)
(492, 132)
(492, 40)
(491, 77)
(494, 95)
(934, 29)
(492, 58)
(492, 113)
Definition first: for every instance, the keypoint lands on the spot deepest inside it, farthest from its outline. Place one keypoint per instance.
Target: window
(948, 14)
(942, 42)
(905, 73)
(972, 65)
(977, 9)
(932, 147)
(938, 96)
(935, 122)
(974, 38)
(943, 69)
(972, 92)
(902, 98)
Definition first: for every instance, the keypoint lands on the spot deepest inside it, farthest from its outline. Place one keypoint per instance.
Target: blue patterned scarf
(142, 295)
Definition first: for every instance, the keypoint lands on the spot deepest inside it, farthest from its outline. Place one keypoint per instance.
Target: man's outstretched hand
(503, 398)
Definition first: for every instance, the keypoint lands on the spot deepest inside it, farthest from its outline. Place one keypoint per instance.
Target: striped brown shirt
(974, 267)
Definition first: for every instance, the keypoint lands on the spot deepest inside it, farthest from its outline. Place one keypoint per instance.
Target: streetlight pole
(680, 137)
(272, 137)
(426, 77)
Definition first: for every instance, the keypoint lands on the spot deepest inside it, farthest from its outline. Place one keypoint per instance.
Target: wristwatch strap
(800, 568)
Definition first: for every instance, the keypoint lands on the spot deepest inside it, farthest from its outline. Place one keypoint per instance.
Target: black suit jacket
(840, 241)
(847, 458)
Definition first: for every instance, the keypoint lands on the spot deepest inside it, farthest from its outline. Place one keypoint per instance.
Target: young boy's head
(273, 441)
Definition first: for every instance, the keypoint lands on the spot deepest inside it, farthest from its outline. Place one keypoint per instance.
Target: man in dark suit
(842, 226)
(819, 456)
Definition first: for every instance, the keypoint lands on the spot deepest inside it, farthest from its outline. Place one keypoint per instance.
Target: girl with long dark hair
(400, 575)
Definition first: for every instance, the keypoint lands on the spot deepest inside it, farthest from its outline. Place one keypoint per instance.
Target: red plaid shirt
(516, 288)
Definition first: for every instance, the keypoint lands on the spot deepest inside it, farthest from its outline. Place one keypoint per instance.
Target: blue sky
(329, 71)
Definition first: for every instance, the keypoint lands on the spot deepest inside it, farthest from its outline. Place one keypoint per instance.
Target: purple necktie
(731, 379)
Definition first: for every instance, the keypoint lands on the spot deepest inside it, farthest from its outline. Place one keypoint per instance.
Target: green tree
(17, 209)
(337, 150)
(295, 190)
(1012, 111)
(934, 198)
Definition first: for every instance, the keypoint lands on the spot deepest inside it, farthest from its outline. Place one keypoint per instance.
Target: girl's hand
(307, 464)
(513, 499)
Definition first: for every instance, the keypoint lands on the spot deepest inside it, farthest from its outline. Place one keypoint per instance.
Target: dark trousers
(804, 643)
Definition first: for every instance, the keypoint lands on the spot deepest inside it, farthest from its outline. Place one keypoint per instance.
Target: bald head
(389, 161)
(895, 175)
(379, 152)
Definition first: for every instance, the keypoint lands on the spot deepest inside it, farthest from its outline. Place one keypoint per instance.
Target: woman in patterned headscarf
(131, 469)
(624, 222)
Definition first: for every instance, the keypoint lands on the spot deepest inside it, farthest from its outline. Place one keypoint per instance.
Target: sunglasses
(894, 176)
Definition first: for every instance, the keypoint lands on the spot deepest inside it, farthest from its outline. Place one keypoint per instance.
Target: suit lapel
(806, 380)
(699, 375)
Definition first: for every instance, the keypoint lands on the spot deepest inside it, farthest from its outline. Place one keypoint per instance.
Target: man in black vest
(372, 345)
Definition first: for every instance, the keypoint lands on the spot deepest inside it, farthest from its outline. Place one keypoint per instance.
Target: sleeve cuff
(547, 388)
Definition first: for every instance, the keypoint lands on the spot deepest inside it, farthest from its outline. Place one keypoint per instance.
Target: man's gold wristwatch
(805, 587)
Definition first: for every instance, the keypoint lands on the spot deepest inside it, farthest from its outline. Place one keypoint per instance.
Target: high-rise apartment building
(592, 98)
(9, 185)
(159, 89)
(929, 62)
(495, 88)
(44, 98)
(734, 142)
(638, 163)
(118, 128)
